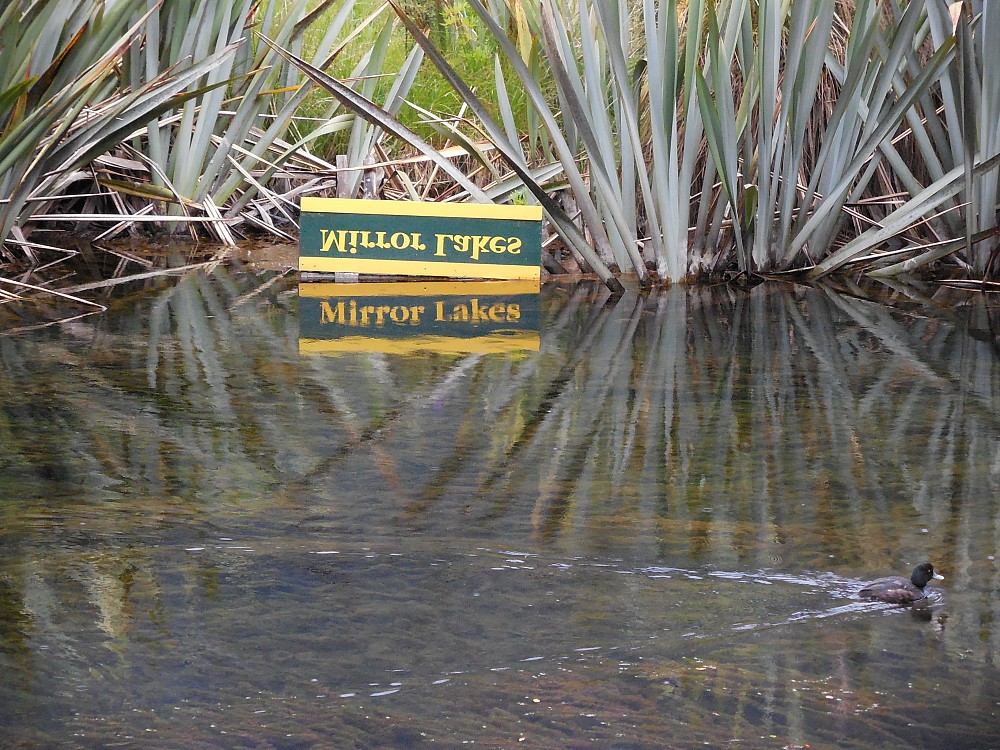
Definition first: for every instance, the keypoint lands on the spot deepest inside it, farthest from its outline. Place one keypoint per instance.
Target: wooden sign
(405, 317)
(456, 240)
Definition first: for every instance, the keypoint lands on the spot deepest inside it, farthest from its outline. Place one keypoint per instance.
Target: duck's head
(923, 573)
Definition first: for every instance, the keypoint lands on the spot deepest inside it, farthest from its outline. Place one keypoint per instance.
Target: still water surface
(646, 534)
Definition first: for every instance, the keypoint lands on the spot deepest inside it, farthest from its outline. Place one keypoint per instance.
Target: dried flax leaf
(64, 294)
(207, 265)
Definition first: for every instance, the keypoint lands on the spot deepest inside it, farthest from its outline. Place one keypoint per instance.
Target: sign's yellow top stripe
(415, 208)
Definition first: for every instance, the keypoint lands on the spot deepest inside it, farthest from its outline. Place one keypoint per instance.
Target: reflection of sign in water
(483, 316)
(482, 241)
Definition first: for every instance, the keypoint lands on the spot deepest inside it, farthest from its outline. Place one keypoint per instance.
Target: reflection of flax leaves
(379, 428)
(449, 468)
(581, 353)
(832, 352)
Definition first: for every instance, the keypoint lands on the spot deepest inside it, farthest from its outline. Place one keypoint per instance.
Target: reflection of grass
(460, 35)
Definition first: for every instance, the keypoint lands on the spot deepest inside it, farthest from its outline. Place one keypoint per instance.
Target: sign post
(399, 238)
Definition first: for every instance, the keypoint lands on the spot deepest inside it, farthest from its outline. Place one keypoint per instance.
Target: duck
(898, 590)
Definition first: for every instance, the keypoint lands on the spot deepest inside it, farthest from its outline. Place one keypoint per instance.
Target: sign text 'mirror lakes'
(350, 313)
(349, 241)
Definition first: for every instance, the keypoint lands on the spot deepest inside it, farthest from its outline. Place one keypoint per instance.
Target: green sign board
(463, 240)
(450, 317)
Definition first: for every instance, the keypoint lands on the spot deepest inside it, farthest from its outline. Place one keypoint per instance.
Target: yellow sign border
(515, 342)
(418, 268)
(312, 204)
(366, 289)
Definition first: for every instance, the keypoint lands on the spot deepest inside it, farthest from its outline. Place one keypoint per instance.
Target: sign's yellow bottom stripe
(367, 289)
(509, 342)
(417, 268)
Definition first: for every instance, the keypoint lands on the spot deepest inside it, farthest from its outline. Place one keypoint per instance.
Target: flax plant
(957, 142)
(668, 140)
(169, 107)
(763, 135)
(223, 146)
(60, 105)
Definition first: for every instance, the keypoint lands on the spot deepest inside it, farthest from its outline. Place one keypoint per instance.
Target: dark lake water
(648, 533)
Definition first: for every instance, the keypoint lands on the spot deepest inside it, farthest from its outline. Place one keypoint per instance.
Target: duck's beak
(938, 576)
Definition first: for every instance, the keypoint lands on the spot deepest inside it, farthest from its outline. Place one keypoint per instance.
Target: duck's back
(894, 589)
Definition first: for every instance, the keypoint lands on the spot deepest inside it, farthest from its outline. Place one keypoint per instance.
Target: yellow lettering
(498, 244)
(416, 243)
(379, 240)
(514, 246)
(460, 312)
(513, 312)
(334, 239)
(479, 245)
(439, 253)
(349, 313)
(494, 312)
(327, 313)
(400, 241)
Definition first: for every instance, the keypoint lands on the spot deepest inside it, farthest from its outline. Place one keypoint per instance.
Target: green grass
(455, 29)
